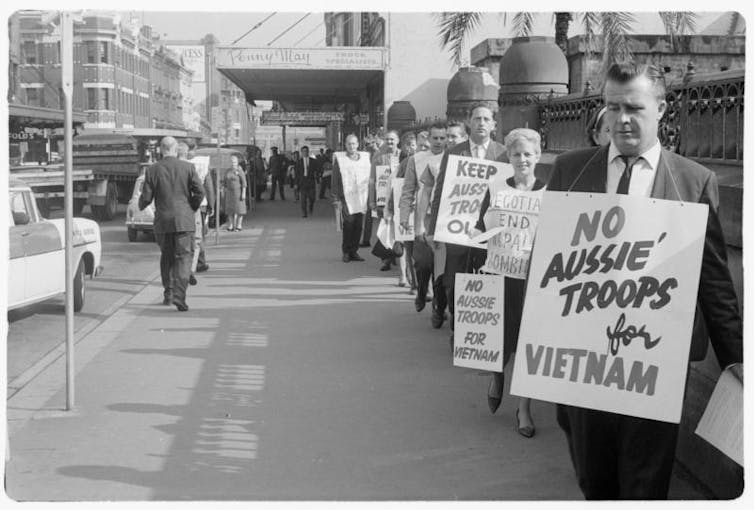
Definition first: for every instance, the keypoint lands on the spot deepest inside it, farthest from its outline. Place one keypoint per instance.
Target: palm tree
(615, 28)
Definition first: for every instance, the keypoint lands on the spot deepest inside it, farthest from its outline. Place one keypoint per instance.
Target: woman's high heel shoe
(528, 431)
(493, 399)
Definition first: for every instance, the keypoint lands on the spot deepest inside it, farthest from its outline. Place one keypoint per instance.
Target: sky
(309, 30)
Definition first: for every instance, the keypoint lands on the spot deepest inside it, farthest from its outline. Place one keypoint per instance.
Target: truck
(115, 163)
(105, 168)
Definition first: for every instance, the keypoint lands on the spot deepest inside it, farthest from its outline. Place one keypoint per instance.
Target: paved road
(293, 376)
(37, 330)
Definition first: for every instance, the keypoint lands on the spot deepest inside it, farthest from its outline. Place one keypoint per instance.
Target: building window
(104, 53)
(30, 52)
(91, 99)
(32, 97)
(91, 52)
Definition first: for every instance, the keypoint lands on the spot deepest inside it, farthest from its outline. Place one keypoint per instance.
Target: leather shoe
(356, 257)
(167, 299)
(202, 268)
(180, 305)
(385, 266)
(192, 280)
(346, 257)
(419, 303)
(494, 398)
(528, 431)
(437, 319)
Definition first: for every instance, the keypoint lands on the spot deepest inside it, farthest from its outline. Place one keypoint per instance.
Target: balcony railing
(704, 118)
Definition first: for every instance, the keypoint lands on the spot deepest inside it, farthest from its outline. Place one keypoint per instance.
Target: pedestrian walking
(177, 192)
(457, 133)
(386, 157)
(325, 165)
(458, 258)
(306, 175)
(350, 184)
(617, 456)
(523, 147)
(234, 183)
(278, 168)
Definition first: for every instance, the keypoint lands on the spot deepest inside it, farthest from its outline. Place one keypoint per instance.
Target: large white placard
(478, 319)
(402, 234)
(355, 178)
(610, 303)
(466, 181)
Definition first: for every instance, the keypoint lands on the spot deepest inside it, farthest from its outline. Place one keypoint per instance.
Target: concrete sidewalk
(293, 376)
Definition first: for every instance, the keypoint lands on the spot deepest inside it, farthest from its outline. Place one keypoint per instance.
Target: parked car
(136, 220)
(36, 269)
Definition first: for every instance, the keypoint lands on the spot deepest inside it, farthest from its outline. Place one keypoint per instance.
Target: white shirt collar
(651, 155)
(484, 145)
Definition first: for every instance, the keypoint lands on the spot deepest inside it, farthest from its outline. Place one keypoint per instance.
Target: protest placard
(610, 303)
(355, 178)
(466, 181)
(722, 424)
(402, 234)
(511, 224)
(201, 164)
(382, 184)
(478, 319)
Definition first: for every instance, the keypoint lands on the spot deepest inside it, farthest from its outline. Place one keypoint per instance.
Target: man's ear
(661, 107)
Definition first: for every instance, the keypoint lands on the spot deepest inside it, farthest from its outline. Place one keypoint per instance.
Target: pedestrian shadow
(120, 474)
(147, 408)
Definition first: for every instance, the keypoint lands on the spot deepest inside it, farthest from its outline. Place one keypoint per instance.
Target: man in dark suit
(278, 168)
(459, 258)
(177, 192)
(306, 175)
(617, 456)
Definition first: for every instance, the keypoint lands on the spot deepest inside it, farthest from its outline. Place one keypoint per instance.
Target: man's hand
(475, 232)
(404, 225)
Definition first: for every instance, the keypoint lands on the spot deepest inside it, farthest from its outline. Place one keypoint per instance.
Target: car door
(43, 251)
(16, 262)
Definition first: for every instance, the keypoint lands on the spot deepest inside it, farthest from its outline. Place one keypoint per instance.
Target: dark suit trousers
(325, 184)
(279, 181)
(439, 296)
(459, 259)
(175, 262)
(367, 233)
(202, 260)
(351, 231)
(617, 456)
(308, 195)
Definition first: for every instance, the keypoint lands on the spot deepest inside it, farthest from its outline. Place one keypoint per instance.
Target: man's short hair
(624, 72)
(350, 135)
(438, 125)
(183, 150)
(305, 147)
(476, 106)
(274, 149)
(394, 131)
(168, 144)
(458, 124)
(407, 138)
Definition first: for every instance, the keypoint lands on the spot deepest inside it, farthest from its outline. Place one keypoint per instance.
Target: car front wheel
(79, 288)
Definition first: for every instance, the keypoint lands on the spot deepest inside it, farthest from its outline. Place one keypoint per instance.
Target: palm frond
(523, 22)
(454, 28)
(615, 29)
(590, 21)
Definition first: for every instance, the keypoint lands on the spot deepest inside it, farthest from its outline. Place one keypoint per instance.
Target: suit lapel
(593, 176)
(663, 186)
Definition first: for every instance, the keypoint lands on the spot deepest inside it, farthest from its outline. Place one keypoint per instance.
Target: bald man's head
(169, 146)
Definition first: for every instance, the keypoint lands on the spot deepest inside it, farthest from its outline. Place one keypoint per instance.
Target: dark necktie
(625, 177)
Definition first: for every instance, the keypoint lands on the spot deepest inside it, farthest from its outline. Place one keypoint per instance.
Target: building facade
(124, 77)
